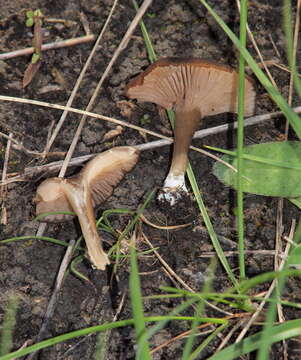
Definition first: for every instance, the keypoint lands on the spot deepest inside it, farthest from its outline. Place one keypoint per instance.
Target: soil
(28, 268)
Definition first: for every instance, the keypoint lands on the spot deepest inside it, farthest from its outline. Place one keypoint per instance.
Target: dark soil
(28, 268)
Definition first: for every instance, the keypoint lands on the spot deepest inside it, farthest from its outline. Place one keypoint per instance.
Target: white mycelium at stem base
(185, 126)
(174, 186)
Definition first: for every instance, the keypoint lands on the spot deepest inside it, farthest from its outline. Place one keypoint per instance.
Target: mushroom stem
(81, 201)
(185, 126)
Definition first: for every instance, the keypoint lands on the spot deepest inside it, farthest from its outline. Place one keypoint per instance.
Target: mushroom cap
(191, 84)
(50, 198)
(99, 176)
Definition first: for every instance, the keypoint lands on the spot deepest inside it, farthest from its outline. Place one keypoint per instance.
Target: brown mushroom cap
(100, 175)
(51, 198)
(193, 83)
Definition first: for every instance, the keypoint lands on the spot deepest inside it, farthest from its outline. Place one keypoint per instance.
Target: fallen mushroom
(80, 193)
(194, 89)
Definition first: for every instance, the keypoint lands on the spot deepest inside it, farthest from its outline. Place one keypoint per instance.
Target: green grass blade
(263, 352)
(149, 47)
(101, 347)
(33, 237)
(212, 234)
(8, 325)
(73, 268)
(43, 215)
(291, 54)
(267, 276)
(281, 332)
(83, 332)
(143, 352)
(155, 328)
(292, 117)
(207, 341)
(240, 140)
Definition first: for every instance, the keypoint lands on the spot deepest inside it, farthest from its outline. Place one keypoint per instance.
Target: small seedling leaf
(259, 177)
(29, 22)
(35, 58)
(29, 14)
(38, 13)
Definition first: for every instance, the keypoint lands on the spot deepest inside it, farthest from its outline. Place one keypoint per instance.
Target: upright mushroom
(194, 89)
(80, 193)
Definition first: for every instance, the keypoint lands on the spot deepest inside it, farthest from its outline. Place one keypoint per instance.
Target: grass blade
(284, 331)
(291, 54)
(137, 306)
(8, 326)
(292, 117)
(240, 140)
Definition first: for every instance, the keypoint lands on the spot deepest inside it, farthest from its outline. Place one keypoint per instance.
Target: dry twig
(55, 166)
(50, 46)
(3, 219)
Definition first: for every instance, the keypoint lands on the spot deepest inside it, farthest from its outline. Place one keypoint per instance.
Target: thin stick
(258, 51)
(3, 219)
(55, 166)
(253, 120)
(50, 46)
(6, 157)
(209, 254)
(18, 146)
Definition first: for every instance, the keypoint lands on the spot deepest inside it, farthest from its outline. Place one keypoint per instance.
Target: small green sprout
(30, 17)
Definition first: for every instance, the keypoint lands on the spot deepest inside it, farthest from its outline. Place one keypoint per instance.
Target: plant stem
(240, 140)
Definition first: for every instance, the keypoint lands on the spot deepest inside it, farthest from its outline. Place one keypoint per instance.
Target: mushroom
(194, 89)
(80, 193)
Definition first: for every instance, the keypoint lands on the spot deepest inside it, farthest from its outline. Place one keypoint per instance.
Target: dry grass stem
(171, 227)
(199, 134)
(3, 219)
(31, 172)
(209, 254)
(274, 46)
(250, 34)
(186, 333)
(50, 46)
(226, 339)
